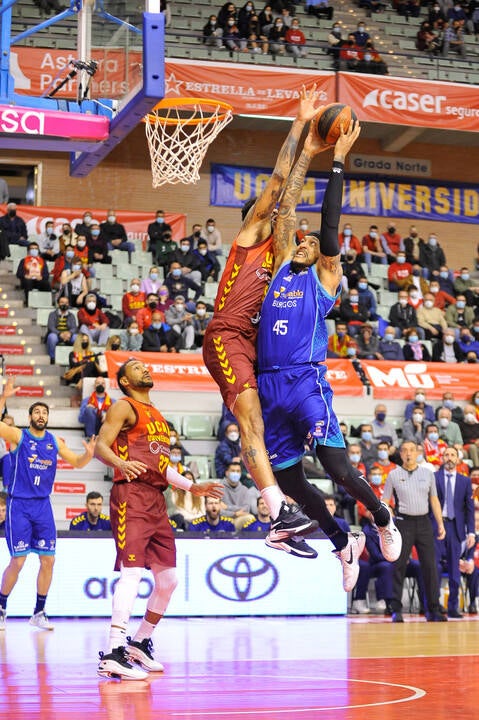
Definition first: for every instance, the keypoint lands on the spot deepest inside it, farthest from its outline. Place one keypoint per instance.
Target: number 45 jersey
(292, 330)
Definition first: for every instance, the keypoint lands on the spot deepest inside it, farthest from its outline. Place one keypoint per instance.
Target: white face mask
(429, 303)
(449, 339)
(210, 228)
(111, 218)
(91, 305)
(201, 312)
(420, 397)
(135, 288)
(417, 417)
(175, 459)
(134, 331)
(469, 417)
(233, 436)
(173, 439)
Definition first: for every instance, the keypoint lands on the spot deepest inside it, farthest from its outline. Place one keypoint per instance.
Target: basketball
(328, 123)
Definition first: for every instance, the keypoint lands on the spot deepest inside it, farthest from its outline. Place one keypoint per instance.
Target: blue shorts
(30, 527)
(297, 410)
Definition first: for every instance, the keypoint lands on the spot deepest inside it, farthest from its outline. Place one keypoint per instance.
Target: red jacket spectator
(91, 319)
(391, 240)
(133, 301)
(399, 274)
(295, 36)
(350, 242)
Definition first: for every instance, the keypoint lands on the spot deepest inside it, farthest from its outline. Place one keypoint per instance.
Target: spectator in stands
(369, 452)
(235, 501)
(153, 282)
(73, 283)
(81, 251)
(214, 520)
(276, 37)
(449, 402)
(414, 429)
(228, 450)
(349, 54)
(164, 301)
(368, 344)
(266, 19)
(227, 11)
(441, 298)
(420, 401)
(414, 350)
(97, 246)
(459, 314)
(354, 312)
(467, 342)
(160, 242)
(447, 349)
(371, 61)
(408, 8)
(384, 464)
(14, 226)
(81, 361)
(391, 241)
(94, 408)
(402, 315)
(296, 40)
(262, 520)
(465, 285)
(436, 16)
(3, 511)
(66, 236)
(181, 321)
(32, 271)
(415, 297)
(212, 235)
(431, 255)
(201, 320)
(446, 280)
(388, 347)
(361, 35)
(335, 43)
(367, 296)
(371, 247)
(212, 33)
(208, 265)
(383, 430)
(131, 338)
(189, 507)
(469, 428)
(158, 337)
(179, 284)
(93, 519)
(319, 8)
(63, 262)
(93, 321)
(456, 13)
(115, 235)
(399, 273)
(231, 36)
(348, 241)
(449, 431)
(84, 228)
(352, 269)
(244, 14)
(431, 318)
(144, 314)
(339, 341)
(412, 245)
(133, 300)
(48, 243)
(61, 328)
(433, 445)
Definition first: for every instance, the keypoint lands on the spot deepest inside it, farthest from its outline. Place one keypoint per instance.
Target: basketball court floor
(248, 668)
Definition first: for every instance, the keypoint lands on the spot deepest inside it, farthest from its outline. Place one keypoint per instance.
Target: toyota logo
(242, 578)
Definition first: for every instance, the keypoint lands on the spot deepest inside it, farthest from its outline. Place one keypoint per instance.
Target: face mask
(354, 299)
(465, 276)
(383, 454)
(152, 304)
(84, 344)
(63, 308)
(87, 220)
(115, 346)
(91, 305)
(429, 303)
(373, 234)
(111, 218)
(163, 296)
(420, 398)
(355, 457)
(201, 312)
(351, 352)
(414, 296)
(417, 417)
(185, 247)
(135, 288)
(279, 26)
(233, 436)
(476, 401)
(416, 273)
(475, 330)
(466, 339)
(350, 258)
(176, 273)
(348, 232)
(49, 230)
(469, 417)
(100, 389)
(12, 213)
(389, 338)
(76, 268)
(392, 229)
(180, 307)
(69, 254)
(81, 245)
(460, 304)
(295, 27)
(367, 436)
(231, 23)
(449, 404)
(95, 233)
(133, 331)
(362, 286)
(154, 276)
(66, 231)
(381, 416)
(433, 437)
(444, 275)
(368, 57)
(210, 228)
(401, 260)
(361, 28)
(419, 459)
(173, 439)
(448, 339)
(413, 338)
(304, 227)
(203, 251)
(340, 335)
(33, 252)
(376, 480)
(175, 458)
(432, 241)
(403, 302)
(156, 325)
(160, 220)
(234, 477)
(212, 23)
(434, 290)
(443, 422)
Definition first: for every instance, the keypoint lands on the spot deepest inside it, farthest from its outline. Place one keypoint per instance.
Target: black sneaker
(290, 521)
(294, 546)
(116, 665)
(142, 653)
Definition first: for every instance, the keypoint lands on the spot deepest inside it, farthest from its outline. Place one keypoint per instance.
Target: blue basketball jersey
(292, 330)
(33, 466)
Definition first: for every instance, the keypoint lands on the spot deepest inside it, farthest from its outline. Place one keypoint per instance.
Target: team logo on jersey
(277, 293)
(49, 446)
(318, 431)
(41, 543)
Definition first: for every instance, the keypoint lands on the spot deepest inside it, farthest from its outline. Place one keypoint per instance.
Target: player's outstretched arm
(78, 461)
(119, 415)
(8, 433)
(213, 489)
(271, 193)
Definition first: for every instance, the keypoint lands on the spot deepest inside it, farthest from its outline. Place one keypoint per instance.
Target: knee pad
(165, 584)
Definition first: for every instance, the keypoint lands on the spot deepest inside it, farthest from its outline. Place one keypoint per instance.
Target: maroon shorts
(230, 357)
(142, 532)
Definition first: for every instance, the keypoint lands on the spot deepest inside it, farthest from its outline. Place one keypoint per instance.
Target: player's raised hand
(89, 445)
(346, 140)
(213, 489)
(314, 144)
(10, 389)
(308, 103)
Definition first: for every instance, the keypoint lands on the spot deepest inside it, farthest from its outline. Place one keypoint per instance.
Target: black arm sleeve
(331, 211)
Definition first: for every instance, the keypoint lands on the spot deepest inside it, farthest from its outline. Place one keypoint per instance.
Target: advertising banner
(232, 185)
(400, 380)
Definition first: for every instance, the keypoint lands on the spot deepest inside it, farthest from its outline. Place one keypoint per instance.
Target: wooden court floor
(249, 668)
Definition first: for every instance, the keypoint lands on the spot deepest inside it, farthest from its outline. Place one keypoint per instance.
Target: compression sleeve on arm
(177, 480)
(331, 211)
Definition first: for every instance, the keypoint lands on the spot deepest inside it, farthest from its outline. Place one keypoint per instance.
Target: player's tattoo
(250, 456)
(331, 264)
(286, 222)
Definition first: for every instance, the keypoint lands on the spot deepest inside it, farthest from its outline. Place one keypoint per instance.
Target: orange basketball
(329, 121)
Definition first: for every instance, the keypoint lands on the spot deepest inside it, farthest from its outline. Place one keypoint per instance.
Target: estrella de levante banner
(232, 185)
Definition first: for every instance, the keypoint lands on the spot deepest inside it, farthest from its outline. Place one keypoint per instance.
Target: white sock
(144, 631)
(117, 637)
(123, 600)
(273, 498)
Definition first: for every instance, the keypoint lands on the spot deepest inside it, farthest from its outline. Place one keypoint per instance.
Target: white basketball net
(178, 140)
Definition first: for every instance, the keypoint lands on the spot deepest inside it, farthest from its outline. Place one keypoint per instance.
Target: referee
(414, 491)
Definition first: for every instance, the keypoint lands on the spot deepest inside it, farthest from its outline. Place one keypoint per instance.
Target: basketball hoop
(179, 132)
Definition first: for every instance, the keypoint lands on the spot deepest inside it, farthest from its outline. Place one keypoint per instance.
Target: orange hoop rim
(152, 119)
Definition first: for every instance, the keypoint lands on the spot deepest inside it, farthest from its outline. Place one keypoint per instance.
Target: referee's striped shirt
(411, 490)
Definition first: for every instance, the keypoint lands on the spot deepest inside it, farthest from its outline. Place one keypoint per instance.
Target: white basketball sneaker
(40, 621)
(116, 665)
(390, 540)
(142, 653)
(349, 558)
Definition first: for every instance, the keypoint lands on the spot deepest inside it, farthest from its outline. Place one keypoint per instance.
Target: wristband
(174, 477)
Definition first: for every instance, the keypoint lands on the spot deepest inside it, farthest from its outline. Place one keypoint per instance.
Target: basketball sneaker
(294, 546)
(3, 620)
(116, 665)
(390, 540)
(142, 654)
(40, 621)
(290, 521)
(349, 558)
